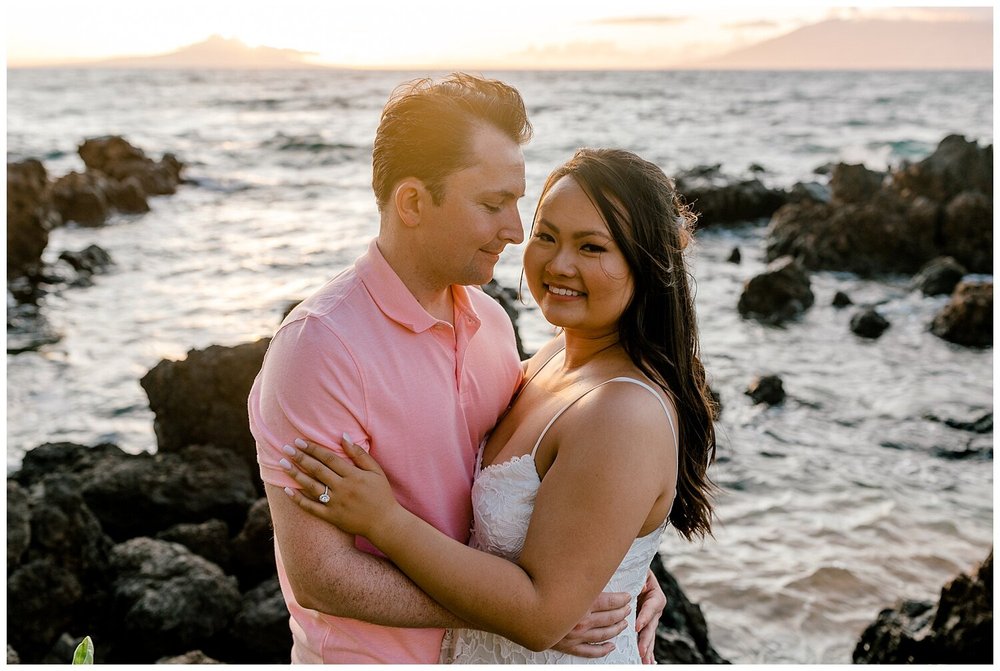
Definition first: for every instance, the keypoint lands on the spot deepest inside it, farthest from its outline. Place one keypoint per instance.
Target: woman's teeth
(559, 291)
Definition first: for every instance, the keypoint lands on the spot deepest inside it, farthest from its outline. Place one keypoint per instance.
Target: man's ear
(411, 198)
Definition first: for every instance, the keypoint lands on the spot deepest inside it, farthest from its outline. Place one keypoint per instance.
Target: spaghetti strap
(642, 384)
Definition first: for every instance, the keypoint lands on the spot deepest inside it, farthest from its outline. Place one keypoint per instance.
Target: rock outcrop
(957, 630)
(868, 323)
(967, 319)
(116, 158)
(720, 199)
(939, 276)
(30, 217)
(781, 292)
(681, 634)
(203, 399)
(873, 223)
(766, 389)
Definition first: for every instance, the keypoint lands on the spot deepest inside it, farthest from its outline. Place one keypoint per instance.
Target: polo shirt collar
(396, 301)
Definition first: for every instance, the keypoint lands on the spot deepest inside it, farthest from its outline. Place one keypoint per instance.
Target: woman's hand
(356, 497)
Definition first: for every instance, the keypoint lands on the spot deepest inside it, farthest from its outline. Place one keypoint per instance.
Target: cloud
(640, 20)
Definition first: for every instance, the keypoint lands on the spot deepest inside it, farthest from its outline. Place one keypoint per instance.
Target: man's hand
(652, 601)
(591, 637)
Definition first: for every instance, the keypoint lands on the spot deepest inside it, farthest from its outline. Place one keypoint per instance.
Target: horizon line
(500, 68)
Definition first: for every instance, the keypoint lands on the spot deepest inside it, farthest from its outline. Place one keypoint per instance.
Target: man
(399, 353)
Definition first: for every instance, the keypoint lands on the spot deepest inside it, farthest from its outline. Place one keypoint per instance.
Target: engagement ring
(325, 496)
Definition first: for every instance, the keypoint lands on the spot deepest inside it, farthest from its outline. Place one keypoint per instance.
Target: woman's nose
(562, 263)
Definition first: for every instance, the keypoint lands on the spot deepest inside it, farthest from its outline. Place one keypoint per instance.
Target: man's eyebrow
(578, 234)
(504, 194)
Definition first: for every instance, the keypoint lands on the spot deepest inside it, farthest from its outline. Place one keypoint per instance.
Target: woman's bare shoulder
(623, 414)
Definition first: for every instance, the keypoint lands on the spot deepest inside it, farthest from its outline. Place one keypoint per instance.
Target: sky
(428, 33)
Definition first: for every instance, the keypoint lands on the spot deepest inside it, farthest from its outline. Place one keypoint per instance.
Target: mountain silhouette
(868, 44)
(215, 52)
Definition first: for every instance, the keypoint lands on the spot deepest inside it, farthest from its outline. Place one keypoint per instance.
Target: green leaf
(84, 653)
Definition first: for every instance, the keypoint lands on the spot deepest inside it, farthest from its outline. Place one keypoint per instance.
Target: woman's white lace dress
(503, 498)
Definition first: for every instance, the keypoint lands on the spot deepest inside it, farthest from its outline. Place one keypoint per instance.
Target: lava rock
(940, 206)
(168, 599)
(145, 493)
(854, 183)
(209, 540)
(253, 547)
(779, 293)
(203, 399)
(767, 389)
(720, 199)
(63, 526)
(939, 276)
(968, 230)
(868, 323)
(142, 494)
(30, 217)
(18, 525)
(259, 633)
(82, 197)
(958, 630)
(883, 234)
(42, 597)
(841, 300)
(811, 192)
(88, 261)
(956, 165)
(128, 196)
(967, 319)
(116, 157)
(735, 256)
(507, 299)
(681, 633)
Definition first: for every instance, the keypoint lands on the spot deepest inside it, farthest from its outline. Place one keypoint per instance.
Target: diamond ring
(324, 498)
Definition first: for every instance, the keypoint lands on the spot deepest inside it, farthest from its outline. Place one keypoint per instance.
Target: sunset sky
(431, 33)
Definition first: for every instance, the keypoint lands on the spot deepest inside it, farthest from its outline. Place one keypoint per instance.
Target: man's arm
(327, 573)
(311, 386)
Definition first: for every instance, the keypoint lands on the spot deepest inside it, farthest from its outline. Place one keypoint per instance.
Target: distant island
(214, 52)
(867, 44)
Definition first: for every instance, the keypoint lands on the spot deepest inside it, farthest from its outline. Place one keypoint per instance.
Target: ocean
(831, 507)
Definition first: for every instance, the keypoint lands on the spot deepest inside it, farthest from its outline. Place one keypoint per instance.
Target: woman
(606, 442)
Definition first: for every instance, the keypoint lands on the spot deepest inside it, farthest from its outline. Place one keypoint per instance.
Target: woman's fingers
(318, 460)
(360, 457)
(591, 650)
(311, 487)
(303, 501)
(647, 637)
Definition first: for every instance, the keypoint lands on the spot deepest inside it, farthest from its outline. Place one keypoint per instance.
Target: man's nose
(513, 230)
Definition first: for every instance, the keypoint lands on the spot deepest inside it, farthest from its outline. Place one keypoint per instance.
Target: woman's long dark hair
(658, 330)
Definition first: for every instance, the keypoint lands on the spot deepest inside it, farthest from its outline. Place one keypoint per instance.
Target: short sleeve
(309, 387)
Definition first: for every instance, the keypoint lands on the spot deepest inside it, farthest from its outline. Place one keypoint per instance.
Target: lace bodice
(503, 499)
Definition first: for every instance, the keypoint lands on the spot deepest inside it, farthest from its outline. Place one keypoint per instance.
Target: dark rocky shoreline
(169, 557)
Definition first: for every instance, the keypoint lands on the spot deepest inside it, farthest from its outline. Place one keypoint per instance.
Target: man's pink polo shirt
(362, 356)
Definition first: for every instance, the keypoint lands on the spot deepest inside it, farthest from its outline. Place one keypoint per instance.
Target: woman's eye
(544, 237)
(594, 249)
